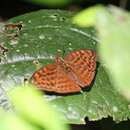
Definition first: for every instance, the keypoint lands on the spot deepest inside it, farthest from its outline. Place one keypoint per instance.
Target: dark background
(12, 8)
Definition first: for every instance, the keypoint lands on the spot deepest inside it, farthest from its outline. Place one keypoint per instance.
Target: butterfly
(67, 75)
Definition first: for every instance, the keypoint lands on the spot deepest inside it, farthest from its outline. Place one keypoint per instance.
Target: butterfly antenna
(59, 55)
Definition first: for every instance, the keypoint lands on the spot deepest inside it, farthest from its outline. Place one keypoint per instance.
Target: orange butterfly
(68, 75)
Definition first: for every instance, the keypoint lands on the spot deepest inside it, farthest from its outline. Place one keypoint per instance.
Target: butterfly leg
(83, 94)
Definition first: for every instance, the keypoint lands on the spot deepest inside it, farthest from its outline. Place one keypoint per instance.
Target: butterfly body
(67, 75)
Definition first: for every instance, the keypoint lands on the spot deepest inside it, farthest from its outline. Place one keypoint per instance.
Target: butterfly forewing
(83, 64)
(53, 78)
(44, 78)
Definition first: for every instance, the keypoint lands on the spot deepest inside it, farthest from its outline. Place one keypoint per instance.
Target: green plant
(52, 3)
(43, 33)
(112, 25)
(31, 114)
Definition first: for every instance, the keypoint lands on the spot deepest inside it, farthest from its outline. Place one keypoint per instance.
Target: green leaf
(115, 47)
(37, 110)
(10, 121)
(113, 25)
(53, 3)
(43, 35)
(87, 17)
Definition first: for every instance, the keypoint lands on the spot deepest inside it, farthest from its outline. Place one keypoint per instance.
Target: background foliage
(43, 34)
(114, 50)
(97, 97)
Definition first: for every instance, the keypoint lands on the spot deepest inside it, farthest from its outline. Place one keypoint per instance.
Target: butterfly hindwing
(83, 64)
(44, 78)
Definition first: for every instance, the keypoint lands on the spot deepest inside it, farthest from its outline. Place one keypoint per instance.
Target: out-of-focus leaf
(54, 3)
(10, 121)
(43, 35)
(115, 47)
(113, 25)
(37, 110)
(87, 17)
